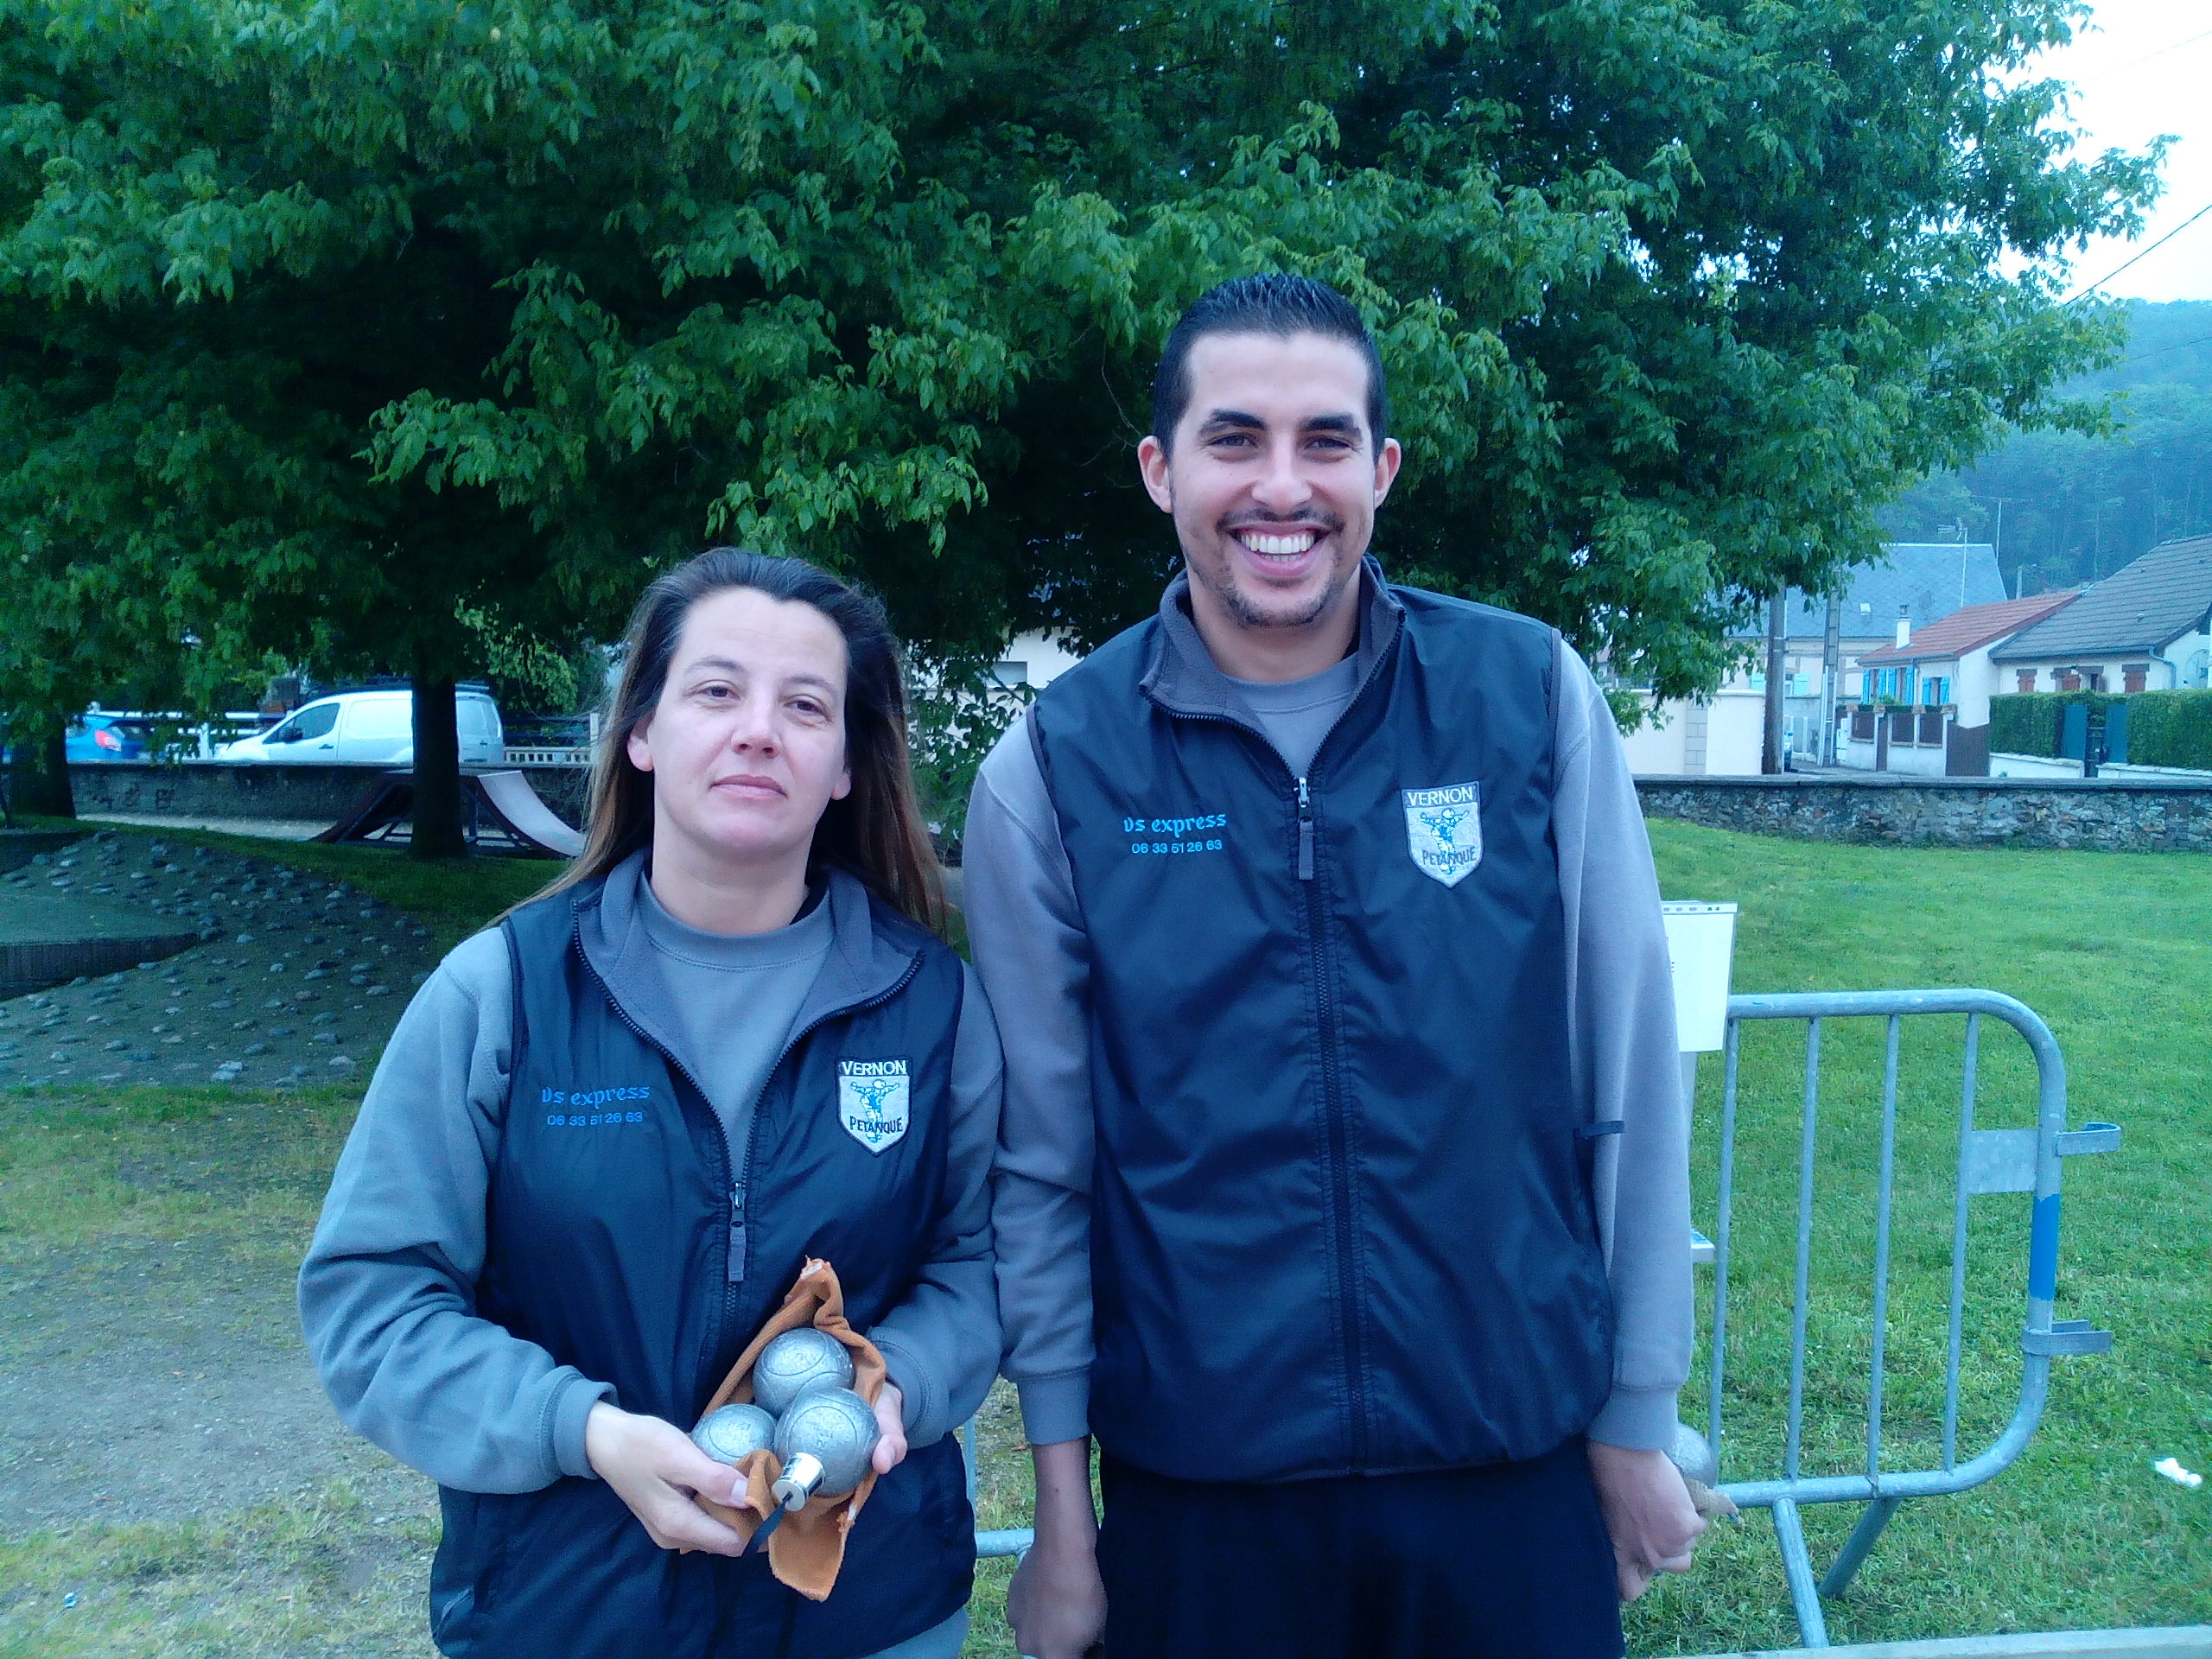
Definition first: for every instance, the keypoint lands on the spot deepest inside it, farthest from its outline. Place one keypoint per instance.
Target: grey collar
(862, 966)
(1182, 678)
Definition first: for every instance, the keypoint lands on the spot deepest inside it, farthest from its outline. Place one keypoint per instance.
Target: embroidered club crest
(1444, 830)
(871, 1100)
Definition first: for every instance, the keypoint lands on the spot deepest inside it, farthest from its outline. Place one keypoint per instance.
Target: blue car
(97, 736)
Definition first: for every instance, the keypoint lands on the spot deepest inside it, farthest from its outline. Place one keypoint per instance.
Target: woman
(607, 1133)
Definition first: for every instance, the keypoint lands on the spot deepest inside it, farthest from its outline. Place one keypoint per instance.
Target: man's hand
(1649, 1515)
(654, 1468)
(890, 1423)
(1056, 1603)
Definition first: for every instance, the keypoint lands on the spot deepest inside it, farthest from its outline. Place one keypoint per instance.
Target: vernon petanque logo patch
(1444, 830)
(871, 1100)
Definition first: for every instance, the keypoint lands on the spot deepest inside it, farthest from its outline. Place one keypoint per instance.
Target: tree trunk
(38, 770)
(437, 832)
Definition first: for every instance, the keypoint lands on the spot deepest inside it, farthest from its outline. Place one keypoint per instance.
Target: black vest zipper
(736, 1175)
(734, 1183)
(1343, 1199)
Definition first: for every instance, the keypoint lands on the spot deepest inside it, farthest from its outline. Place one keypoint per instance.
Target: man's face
(1273, 477)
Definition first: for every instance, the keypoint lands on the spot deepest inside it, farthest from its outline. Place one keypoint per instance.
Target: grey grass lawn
(2113, 950)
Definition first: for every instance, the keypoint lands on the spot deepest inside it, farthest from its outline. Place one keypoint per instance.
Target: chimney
(1904, 627)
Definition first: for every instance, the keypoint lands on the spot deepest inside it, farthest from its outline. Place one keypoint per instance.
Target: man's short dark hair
(1273, 303)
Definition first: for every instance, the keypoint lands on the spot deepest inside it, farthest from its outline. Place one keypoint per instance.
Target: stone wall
(2114, 814)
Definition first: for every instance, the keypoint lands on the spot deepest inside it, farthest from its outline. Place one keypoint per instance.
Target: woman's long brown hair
(876, 832)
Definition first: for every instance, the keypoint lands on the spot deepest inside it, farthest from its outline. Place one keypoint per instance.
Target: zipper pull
(736, 1270)
(1305, 833)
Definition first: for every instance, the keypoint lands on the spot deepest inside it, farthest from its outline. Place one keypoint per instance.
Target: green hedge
(2170, 728)
(2164, 729)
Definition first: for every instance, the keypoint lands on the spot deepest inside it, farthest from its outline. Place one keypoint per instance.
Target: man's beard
(1217, 573)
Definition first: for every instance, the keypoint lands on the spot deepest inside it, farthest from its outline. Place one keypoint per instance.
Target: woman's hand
(891, 1419)
(654, 1468)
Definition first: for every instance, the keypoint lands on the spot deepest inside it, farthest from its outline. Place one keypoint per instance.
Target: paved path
(265, 828)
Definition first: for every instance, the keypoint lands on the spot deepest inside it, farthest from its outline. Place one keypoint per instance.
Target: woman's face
(746, 745)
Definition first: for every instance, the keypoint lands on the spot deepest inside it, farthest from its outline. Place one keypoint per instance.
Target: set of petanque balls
(294, 977)
(805, 1411)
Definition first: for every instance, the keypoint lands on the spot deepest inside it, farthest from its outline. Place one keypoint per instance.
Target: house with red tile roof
(1924, 702)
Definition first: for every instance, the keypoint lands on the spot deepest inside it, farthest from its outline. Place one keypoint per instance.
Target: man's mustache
(1323, 521)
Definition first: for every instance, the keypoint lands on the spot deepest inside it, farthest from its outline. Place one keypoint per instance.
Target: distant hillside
(2075, 508)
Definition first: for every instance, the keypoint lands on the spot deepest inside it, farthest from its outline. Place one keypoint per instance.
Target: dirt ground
(154, 1379)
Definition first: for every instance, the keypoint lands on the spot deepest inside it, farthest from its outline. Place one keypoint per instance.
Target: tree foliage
(376, 332)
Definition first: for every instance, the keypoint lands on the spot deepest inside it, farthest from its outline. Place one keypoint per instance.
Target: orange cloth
(808, 1548)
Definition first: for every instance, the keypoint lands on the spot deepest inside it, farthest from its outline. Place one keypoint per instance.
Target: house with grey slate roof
(2146, 628)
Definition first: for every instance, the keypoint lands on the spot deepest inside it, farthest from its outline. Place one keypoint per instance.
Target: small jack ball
(795, 1362)
(733, 1433)
(837, 1429)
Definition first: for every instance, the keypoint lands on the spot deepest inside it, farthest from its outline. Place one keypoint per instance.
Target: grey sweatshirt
(1030, 946)
(387, 1291)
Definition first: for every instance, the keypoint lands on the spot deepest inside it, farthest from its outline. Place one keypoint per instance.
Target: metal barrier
(1014, 1540)
(1989, 1161)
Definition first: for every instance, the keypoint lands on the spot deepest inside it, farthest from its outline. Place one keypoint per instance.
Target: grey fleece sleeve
(387, 1292)
(1034, 958)
(1621, 1051)
(942, 1342)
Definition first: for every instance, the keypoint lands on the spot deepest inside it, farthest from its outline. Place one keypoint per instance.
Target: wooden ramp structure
(500, 801)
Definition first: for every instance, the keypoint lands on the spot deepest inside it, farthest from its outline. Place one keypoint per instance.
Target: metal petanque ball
(825, 1440)
(733, 1433)
(1690, 1454)
(795, 1362)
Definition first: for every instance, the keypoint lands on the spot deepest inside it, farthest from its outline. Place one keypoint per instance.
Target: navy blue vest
(625, 1237)
(1342, 1215)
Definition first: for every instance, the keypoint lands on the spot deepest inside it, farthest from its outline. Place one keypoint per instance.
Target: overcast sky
(2142, 68)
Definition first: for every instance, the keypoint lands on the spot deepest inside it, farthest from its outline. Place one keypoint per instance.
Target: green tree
(377, 333)
(1675, 296)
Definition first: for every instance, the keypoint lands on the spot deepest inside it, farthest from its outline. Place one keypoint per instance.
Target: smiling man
(1342, 1190)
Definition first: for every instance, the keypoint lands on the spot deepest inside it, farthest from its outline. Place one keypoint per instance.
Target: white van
(372, 728)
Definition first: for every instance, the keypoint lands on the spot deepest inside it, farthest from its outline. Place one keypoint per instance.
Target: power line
(2160, 351)
(2145, 254)
(2132, 62)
